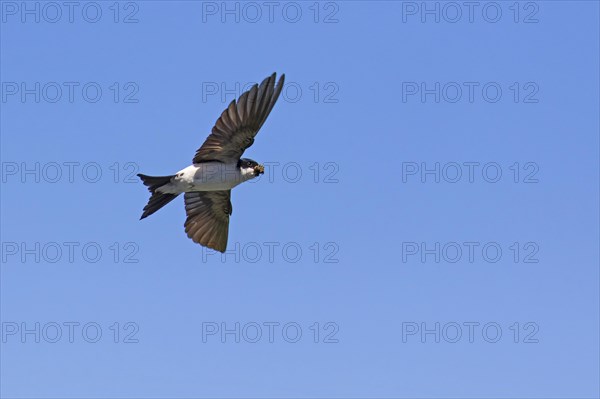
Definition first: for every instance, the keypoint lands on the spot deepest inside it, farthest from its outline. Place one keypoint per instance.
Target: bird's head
(250, 168)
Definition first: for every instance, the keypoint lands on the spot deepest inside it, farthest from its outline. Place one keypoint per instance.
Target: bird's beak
(259, 170)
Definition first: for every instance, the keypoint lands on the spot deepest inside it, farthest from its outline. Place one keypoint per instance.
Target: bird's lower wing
(207, 220)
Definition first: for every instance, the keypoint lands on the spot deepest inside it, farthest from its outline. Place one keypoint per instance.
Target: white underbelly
(209, 176)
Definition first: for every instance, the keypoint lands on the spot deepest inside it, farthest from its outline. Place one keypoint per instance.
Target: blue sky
(428, 226)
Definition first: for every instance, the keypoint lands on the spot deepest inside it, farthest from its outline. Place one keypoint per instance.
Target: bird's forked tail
(157, 199)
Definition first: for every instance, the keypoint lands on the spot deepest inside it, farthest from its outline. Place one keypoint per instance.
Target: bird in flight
(217, 167)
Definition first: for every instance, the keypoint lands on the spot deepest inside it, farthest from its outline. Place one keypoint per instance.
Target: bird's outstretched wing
(207, 220)
(240, 122)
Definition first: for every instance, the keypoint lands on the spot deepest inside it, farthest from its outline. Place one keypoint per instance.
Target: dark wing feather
(207, 220)
(240, 122)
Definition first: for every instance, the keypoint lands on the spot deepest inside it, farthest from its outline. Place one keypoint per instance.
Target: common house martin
(217, 167)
